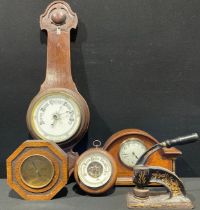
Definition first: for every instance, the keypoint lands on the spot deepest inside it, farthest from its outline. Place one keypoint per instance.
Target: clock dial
(56, 117)
(37, 171)
(130, 151)
(95, 170)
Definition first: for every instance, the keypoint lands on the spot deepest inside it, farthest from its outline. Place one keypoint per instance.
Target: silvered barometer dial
(95, 171)
(130, 151)
(56, 117)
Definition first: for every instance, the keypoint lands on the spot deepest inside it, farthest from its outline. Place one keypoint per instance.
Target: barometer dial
(55, 116)
(130, 151)
(95, 171)
(37, 171)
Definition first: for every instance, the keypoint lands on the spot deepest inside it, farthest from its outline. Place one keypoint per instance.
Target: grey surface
(73, 199)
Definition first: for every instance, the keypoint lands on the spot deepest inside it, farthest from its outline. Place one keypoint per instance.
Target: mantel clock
(128, 145)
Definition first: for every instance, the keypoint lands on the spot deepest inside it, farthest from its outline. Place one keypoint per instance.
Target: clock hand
(135, 155)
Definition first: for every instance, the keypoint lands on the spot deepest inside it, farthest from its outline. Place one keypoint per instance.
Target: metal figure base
(175, 197)
(159, 201)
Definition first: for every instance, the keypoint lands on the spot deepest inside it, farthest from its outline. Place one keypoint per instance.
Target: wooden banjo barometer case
(116, 146)
(58, 112)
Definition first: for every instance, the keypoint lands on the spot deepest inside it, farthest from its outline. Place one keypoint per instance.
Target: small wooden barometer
(95, 170)
(37, 170)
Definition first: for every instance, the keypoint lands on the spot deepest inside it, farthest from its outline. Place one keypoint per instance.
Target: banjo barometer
(58, 112)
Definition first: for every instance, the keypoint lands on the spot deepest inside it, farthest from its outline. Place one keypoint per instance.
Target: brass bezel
(33, 186)
(36, 151)
(36, 101)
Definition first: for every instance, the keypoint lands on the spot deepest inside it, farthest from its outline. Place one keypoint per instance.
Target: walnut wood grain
(58, 70)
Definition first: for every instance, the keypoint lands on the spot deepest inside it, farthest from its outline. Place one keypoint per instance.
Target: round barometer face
(94, 170)
(37, 171)
(56, 116)
(130, 151)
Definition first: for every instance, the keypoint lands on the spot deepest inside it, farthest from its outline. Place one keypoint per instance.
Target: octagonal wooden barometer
(37, 170)
(128, 145)
(58, 112)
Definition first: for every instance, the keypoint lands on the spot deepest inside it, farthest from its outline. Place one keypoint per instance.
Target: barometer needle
(60, 109)
(36, 170)
(66, 112)
(55, 119)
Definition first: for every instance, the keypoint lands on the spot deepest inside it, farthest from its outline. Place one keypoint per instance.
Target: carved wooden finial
(58, 17)
(58, 14)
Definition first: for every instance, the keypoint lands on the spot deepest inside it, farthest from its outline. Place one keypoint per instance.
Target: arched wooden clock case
(164, 158)
(58, 20)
